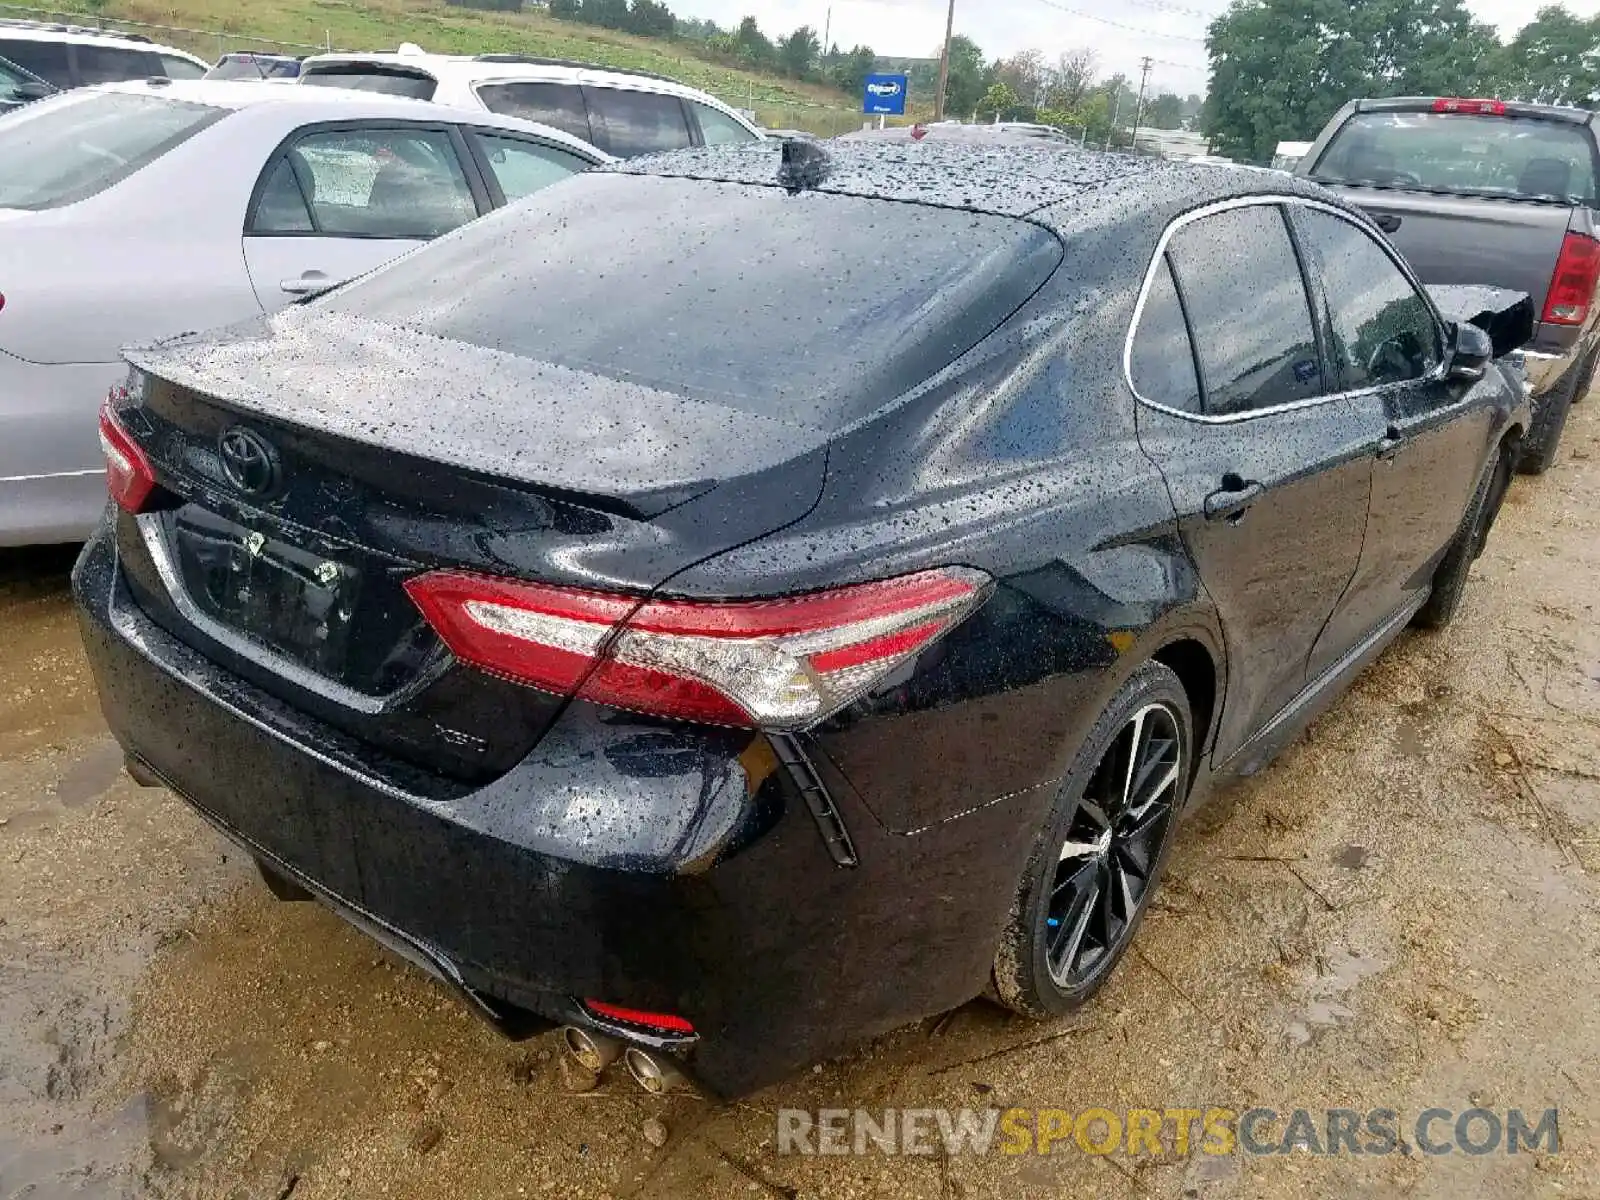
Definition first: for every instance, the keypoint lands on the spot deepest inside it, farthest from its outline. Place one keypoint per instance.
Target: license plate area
(295, 600)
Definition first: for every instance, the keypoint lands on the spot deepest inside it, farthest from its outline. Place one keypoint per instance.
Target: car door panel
(1426, 438)
(1269, 475)
(339, 201)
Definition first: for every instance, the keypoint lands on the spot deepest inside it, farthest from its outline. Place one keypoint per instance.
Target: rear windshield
(815, 309)
(1520, 157)
(76, 147)
(390, 81)
(254, 66)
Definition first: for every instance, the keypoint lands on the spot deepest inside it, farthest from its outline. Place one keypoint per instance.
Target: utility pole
(1116, 111)
(827, 33)
(944, 63)
(1138, 113)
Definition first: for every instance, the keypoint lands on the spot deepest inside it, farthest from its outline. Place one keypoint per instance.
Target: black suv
(745, 600)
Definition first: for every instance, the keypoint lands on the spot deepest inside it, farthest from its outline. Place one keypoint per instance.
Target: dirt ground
(1401, 913)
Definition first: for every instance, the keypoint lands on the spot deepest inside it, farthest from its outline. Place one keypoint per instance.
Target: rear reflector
(663, 1022)
(780, 664)
(1487, 108)
(1572, 286)
(128, 475)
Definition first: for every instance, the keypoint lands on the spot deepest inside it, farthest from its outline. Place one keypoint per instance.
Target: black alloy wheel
(1105, 869)
(1099, 856)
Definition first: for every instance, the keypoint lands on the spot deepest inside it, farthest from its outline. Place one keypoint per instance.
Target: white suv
(623, 113)
(70, 56)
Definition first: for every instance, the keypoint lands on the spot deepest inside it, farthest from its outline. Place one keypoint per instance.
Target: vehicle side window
(522, 168)
(1248, 310)
(557, 105)
(281, 205)
(628, 124)
(1162, 364)
(381, 183)
(180, 68)
(718, 128)
(1383, 329)
(47, 60)
(114, 64)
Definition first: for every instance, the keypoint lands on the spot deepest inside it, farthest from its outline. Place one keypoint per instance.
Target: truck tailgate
(1509, 244)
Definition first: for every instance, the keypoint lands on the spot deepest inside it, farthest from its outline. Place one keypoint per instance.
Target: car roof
(28, 31)
(333, 104)
(1050, 185)
(470, 69)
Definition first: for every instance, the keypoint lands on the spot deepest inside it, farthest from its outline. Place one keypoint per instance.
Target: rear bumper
(656, 866)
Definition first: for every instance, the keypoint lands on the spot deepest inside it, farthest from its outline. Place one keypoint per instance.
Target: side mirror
(1471, 352)
(33, 91)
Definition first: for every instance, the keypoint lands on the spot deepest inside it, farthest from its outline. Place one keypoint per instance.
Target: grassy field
(383, 24)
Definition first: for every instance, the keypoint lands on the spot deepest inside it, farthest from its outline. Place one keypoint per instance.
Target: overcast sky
(1170, 31)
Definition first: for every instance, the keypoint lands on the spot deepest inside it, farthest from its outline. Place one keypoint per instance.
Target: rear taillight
(1572, 286)
(1485, 108)
(128, 474)
(777, 664)
(661, 1022)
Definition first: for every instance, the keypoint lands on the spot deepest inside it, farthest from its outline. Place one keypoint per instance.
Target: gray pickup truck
(1487, 192)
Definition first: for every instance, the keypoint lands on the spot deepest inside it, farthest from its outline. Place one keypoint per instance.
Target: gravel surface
(1401, 913)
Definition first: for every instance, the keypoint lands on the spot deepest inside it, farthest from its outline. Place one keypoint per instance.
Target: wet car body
(787, 891)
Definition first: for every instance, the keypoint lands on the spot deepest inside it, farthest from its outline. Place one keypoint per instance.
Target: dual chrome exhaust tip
(653, 1070)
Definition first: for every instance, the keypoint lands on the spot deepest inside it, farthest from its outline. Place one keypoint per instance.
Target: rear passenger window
(47, 60)
(628, 124)
(557, 105)
(1383, 330)
(180, 68)
(1247, 309)
(718, 128)
(1162, 364)
(114, 64)
(522, 168)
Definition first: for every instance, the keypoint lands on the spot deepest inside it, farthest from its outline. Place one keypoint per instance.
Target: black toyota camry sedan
(743, 601)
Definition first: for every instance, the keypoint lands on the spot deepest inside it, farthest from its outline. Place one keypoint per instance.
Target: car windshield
(254, 66)
(815, 309)
(70, 149)
(389, 81)
(1521, 157)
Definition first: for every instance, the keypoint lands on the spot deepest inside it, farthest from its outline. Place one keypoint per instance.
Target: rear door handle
(1387, 222)
(1389, 445)
(312, 283)
(1230, 501)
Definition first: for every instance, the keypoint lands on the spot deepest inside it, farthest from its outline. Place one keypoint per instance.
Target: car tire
(1099, 856)
(1538, 453)
(1450, 576)
(1586, 380)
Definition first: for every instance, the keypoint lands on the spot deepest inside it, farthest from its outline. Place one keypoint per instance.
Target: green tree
(608, 14)
(848, 72)
(968, 77)
(1164, 112)
(567, 10)
(751, 45)
(798, 53)
(1555, 59)
(651, 18)
(998, 101)
(1281, 68)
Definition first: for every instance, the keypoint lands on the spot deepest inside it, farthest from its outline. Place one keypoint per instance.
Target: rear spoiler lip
(1514, 108)
(1506, 316)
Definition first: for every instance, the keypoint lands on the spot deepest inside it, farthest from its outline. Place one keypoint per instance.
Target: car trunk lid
(318, 462)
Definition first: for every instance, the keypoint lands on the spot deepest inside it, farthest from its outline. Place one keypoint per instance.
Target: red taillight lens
(773, 663)
(664, 1022)
(1572, 286)
(128, 474)
(1486, 108)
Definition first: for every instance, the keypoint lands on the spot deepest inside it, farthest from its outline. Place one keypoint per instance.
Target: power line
(1074, 12)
